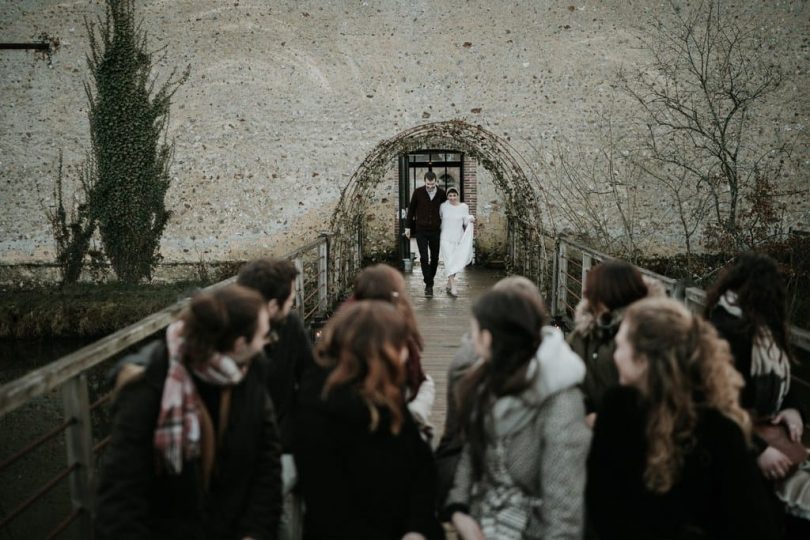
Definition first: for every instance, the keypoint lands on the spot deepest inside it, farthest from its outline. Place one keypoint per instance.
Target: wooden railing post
(587, 263)
(562, 278)
(79, 445)
(299, 287)
(555, 265)
(323, 274)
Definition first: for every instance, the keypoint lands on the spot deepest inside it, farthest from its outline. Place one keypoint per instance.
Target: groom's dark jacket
(423, 213)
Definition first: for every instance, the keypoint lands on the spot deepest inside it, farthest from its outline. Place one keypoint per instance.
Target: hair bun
(208, 314)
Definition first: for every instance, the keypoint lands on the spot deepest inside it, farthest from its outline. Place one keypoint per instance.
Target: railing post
(323, 274)
(587, 263)
(555, 264)
(679, 291)
(299, 287)
(79, 445)
(562, 278)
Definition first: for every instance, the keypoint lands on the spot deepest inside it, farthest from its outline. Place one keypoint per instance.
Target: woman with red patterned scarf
(194, 450)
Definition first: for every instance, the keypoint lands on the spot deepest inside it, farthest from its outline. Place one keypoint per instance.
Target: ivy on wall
(131, 154)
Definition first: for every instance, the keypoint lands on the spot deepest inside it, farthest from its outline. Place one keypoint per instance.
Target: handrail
(38, 382)
(68, 372)
(693, 297)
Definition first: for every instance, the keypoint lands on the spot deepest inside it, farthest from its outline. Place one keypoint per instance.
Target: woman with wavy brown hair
(365, 472)
(670, 454)
(383, 282)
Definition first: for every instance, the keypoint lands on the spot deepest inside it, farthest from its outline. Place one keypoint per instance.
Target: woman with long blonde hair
(364, 470)
(670, 455)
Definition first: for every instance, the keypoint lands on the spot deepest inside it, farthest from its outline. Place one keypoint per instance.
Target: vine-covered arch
(511, 174)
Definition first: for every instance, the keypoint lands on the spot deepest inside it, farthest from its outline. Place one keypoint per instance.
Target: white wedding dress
(456, 249)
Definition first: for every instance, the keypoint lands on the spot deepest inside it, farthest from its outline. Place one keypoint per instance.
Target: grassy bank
(83, 309)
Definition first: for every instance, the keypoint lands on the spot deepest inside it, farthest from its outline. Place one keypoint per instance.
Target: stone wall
(287, 98)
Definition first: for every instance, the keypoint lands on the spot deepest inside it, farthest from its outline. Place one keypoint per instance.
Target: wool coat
(546, 442)
(288, 358)
(719, 494)
(355, 482)
(593, 339)
(138, 499)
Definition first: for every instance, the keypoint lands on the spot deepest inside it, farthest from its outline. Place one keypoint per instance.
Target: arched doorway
(511, 174)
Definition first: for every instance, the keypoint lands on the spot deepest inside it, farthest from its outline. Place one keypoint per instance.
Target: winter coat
(593, 339)
(138, 499)
(719, 495)
(358, 483)
(543, 434)
(290, 355)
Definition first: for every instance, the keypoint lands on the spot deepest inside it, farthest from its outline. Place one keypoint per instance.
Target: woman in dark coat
(609, 288)
(364, 470)
(195, 450)
(747, 305)
(670, 456)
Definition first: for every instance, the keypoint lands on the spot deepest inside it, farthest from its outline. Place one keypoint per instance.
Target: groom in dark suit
(426, 223)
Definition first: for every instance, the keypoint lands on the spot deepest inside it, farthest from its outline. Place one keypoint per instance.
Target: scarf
(770, 366)
(178, 430)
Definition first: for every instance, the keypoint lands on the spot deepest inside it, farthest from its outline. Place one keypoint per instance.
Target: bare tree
(699, 97)
(597, 193)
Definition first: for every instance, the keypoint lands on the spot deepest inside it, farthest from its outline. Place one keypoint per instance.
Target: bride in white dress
(457, 237)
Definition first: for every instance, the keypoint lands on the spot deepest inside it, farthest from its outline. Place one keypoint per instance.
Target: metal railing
(323, 280)
(573, 260)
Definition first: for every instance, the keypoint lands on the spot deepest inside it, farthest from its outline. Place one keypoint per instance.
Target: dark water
(34, 419)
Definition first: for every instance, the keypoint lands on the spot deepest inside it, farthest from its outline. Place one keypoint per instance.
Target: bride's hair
(452, 190)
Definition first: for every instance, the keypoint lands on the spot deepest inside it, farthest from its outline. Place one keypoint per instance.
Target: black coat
(740, 338)
(357, 483)
(289, 357)
(136, 499)
(720, 494)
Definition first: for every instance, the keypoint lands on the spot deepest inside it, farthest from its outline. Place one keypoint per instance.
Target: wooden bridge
(70, 393)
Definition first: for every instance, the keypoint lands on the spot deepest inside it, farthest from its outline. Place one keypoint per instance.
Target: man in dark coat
(289, 355)
(426, 224)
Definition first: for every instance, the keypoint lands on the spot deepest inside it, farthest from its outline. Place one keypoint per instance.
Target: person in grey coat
(521, 474)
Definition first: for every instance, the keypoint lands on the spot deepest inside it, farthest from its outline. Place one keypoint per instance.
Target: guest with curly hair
(670, 454)
(747, 305)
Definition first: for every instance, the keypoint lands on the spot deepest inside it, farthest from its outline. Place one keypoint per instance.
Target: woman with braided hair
(670, 455)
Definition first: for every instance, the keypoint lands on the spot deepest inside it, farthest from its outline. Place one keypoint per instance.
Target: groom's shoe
(428, 290)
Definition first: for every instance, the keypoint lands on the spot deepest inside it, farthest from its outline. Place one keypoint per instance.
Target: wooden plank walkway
(442, 320)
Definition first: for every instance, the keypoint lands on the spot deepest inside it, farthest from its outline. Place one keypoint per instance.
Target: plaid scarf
(177, 433)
